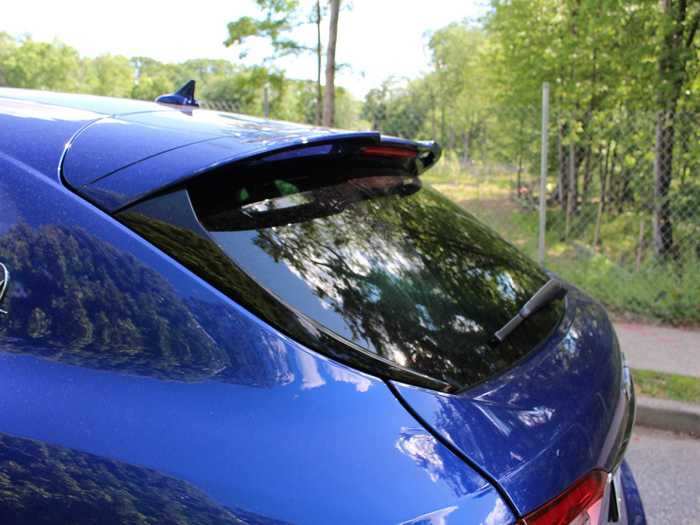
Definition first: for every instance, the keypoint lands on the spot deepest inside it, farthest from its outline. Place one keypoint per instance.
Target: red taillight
(388, 151)
(579, 505)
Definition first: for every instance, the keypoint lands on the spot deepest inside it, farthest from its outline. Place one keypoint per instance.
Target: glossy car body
(210, 414)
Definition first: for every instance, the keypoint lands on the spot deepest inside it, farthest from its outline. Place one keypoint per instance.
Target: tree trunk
(562, 182)
(319, 58)
(587, 175)
(604, 182)
(663, 171)
(519, 176)
(612, 181)
(433, 114)
(571, 195)
(578, 153)
(684, 134)
(640, 247)
(329, 93)
(466, 148)
(443, 133)
(676, 50)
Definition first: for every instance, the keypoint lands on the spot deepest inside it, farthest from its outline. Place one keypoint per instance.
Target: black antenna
(182, 97)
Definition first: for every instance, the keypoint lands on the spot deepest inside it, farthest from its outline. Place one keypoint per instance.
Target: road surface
(667, 469)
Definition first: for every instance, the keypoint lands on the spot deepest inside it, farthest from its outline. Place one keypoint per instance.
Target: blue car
(208, 318)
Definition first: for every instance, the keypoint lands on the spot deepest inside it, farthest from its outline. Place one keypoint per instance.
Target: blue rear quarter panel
(129, 387)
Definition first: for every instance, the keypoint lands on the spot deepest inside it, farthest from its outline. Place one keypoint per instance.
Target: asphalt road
(667, 469)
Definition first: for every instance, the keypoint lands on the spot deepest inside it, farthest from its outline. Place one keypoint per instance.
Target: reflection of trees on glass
(415, 280)
(43, 484)
(79, 300)
(210, 263)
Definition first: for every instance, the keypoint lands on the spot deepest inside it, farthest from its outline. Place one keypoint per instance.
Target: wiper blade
(552, 289)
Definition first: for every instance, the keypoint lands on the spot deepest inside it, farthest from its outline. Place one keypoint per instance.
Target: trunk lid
(564, 410)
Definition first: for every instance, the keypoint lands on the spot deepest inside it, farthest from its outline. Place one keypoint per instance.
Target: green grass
(660, 293)
(667, 293)
(667, 386)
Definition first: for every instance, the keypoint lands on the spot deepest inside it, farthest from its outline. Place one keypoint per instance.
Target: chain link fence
(627, 189)
(622, 193)
(227, 106)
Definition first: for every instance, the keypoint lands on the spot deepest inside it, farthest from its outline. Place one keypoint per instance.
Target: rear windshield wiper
(552, 289)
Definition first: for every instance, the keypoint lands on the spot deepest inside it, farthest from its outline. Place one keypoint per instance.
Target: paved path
(667, 469)
(661, 348)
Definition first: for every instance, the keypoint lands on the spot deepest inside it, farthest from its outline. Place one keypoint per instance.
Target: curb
(664, 414)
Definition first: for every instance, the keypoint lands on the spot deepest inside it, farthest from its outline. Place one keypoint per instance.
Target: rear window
(379, 259)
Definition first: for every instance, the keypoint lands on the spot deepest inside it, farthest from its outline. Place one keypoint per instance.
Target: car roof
(114, 151)
(33, 134)
(99, 135)
(78, 101)
(36, 126)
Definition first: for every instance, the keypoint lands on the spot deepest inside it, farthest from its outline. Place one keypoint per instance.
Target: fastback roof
(35, 134)
(115, 151)
(89, 103)
(114, 143)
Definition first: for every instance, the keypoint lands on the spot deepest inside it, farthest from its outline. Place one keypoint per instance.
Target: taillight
(388, 151)
(581, 504)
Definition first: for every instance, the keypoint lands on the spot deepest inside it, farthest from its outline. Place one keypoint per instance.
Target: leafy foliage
(40, 65)
(624, 143)
(279, 18)
(222, 85)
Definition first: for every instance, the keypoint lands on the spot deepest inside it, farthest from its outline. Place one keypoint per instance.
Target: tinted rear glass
(381, 260)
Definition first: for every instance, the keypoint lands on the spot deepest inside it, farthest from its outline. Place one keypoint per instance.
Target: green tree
(678, 53)
(110, 75)
(153, 78)
(243, 89)
(40, 65)
(279, 18)
(7, 46)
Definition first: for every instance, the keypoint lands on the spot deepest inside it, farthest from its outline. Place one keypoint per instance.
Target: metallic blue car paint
(633, 501)
(98, 136)
(115, 143)
(135, 182)
(549, 420)
(257, 423)
(103, 161)
(37, 133)
(91, 103)
(141, 179)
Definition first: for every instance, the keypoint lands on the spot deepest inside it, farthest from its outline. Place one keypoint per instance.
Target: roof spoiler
(139, 180)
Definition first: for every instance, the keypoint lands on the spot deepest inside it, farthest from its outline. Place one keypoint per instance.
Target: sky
(376, 39)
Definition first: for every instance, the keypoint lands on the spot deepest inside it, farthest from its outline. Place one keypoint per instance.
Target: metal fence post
(543, 171)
